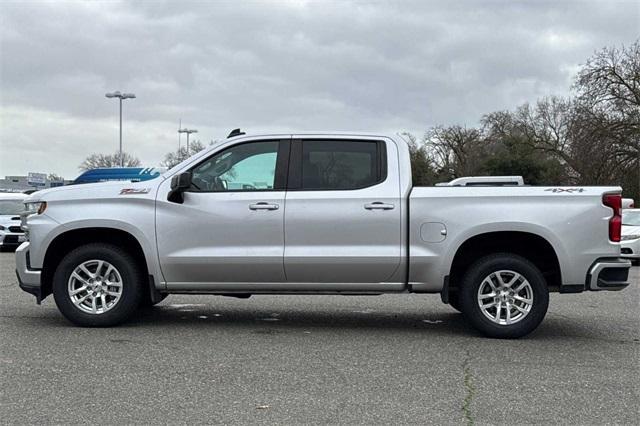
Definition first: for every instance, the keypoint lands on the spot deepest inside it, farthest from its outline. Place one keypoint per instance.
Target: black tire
(475, 275)
(132, 282)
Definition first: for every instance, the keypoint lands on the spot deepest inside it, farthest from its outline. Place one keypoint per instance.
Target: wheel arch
(529, 245)
(69, 239)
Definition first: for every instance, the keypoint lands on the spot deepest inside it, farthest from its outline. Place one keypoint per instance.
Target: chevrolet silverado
(318, 214)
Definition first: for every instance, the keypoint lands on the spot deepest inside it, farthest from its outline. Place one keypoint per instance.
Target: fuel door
(433, 232)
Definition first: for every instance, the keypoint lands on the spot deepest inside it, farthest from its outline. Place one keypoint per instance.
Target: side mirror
(179, 184)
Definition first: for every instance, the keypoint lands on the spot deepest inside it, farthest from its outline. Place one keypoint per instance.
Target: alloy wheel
(95, 286)
(505, 297)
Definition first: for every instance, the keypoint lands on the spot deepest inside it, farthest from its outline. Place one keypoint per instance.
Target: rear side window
(340, 165)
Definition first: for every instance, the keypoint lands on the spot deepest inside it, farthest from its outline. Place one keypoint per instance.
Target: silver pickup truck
(318, 214)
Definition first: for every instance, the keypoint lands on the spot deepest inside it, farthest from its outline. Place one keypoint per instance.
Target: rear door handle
(378, 205)
(263, 206)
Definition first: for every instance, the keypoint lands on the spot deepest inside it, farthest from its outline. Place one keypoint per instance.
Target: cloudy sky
(276, 66)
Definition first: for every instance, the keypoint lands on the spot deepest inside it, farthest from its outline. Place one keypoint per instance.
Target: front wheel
(97, 285)
(504, 296)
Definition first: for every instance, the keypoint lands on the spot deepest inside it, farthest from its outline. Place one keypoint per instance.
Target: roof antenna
(235, 132)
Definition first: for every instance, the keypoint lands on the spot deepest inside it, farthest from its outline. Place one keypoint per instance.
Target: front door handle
(378, 205)
(263, 206)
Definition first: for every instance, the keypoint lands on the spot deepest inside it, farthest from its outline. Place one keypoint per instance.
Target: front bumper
(28, 279)
(11, 239)
(608, 274)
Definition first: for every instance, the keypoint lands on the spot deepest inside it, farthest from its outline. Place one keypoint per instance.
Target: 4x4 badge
(569, 190)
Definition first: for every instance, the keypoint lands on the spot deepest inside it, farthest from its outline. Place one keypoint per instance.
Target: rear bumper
(608, 274)
(28, 279)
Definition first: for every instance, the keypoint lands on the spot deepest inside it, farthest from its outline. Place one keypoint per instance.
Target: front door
(343, 216)
(229, 229)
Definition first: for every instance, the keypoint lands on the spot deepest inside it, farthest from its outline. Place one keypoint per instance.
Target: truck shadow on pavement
(268, 321)
(265, 321)
(435, 323)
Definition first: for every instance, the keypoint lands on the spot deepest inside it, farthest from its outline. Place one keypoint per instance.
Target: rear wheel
(97, 285)
(504, 296)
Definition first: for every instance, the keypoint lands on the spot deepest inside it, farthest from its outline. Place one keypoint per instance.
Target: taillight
(615, 223)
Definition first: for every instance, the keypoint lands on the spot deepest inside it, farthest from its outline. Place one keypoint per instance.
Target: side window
(335, 165)
(245, 167)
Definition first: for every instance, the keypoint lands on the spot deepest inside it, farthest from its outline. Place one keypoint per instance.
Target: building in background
(22, 183)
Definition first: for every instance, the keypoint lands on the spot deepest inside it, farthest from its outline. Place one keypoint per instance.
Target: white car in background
(630, 241)
(11, 234)
(627, 203)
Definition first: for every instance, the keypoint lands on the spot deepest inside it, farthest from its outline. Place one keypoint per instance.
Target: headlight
(630, 237)
(36, 208)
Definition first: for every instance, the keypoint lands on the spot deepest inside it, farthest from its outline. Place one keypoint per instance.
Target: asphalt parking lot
(318, 359)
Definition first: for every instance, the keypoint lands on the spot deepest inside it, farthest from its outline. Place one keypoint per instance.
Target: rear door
(342, 221)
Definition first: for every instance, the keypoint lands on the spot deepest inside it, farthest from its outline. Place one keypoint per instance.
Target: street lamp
(120, 96)
(188, 132)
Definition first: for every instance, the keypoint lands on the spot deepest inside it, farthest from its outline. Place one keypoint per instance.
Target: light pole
(188, 132)
(120, 96)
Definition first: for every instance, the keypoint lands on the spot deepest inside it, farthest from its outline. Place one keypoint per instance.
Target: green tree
(422, 171)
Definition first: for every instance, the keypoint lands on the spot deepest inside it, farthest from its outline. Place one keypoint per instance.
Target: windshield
(631, 218)
(11, 207)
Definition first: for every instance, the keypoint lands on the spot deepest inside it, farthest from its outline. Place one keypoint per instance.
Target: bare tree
(590, 139)
(456, 151)
(176, 157)
(562, 129)
(547, 126)
(511, 151)
(95, 161)
(54, 177)
(608, 86)
(611, 80)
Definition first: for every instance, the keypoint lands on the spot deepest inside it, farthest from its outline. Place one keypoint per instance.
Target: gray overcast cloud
(285, 65)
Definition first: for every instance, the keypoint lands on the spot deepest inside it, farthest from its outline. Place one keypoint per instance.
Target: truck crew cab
(318, 214)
